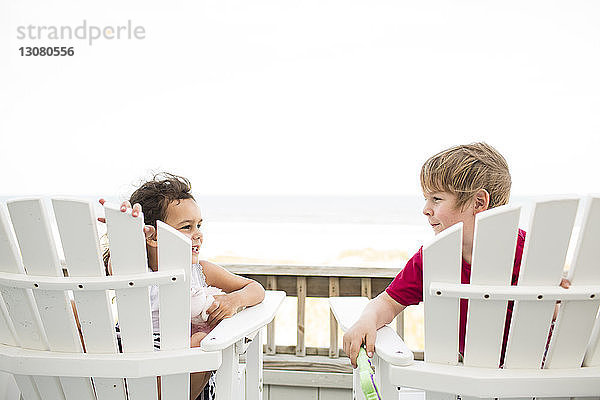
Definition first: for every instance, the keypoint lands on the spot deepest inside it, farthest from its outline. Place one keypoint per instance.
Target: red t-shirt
(407, 288)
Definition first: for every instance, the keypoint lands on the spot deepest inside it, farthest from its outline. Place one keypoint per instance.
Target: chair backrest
(575, 335)
(35, 303)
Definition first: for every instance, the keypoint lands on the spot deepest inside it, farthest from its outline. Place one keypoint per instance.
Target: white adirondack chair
(572, 364)
(39, 341)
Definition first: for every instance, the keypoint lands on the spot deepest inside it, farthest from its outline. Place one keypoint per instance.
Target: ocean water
(359, 231)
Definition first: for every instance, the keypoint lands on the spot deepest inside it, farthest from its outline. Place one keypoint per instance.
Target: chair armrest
(391, 347)
(388, 345)
(244, 323)
(347, 310)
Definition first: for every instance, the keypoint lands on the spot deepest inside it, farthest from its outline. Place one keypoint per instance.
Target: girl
(168, 198)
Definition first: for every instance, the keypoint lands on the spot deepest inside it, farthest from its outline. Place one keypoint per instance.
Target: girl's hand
(149, 230)
(224, 306)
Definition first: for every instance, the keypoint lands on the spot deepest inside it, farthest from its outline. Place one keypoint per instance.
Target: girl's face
(184, 215)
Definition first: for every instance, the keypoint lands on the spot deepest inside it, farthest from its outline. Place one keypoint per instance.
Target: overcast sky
(319, 97)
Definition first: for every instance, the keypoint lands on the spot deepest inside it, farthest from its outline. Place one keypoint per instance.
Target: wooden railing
(323, 282)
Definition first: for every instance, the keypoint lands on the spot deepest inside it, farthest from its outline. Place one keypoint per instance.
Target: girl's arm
(240, 292)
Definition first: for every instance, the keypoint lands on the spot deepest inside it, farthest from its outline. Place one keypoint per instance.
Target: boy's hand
(361, 332)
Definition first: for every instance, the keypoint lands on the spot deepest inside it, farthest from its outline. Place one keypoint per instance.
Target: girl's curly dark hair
(155, 195)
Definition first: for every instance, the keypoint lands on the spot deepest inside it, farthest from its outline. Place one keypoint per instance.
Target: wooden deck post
(365, 287)
(334, 291)
(301, 290)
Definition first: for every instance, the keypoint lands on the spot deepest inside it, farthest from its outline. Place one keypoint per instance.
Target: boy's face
(184, 215)
(441, 212)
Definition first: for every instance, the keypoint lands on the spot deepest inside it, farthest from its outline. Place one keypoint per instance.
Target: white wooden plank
(20, 303)
(175, 386)
(576, 319)
(49, 387)
(442, 262)
(227, 379)
(142, 388)
(128, 256)
(39, 253)
(494, 244)
(254, 369)
(174, 253)
(8, 388)
(347, 310)
(79, 237)
(27, 387)
(10, 257)
(592, 356)
(386, 388)
(543, 262)
(7, 330)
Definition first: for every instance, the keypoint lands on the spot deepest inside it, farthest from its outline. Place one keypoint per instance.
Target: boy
(457, 183)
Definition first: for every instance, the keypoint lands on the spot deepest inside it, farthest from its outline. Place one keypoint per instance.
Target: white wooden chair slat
(542, 264)
(174, 253)
(10, 261)
(27, 387)
(79, 237)
(39, 254)
(347, 310)
(494, 246)
(10, 258)
(49, 387)
(7, 329)
(254, 369)
(575, 321)
(128, 256)
(38, 251)
(19, 303)
(442, 262)
(592, 355)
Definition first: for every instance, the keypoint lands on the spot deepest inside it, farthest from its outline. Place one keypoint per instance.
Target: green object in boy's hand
(365, 372)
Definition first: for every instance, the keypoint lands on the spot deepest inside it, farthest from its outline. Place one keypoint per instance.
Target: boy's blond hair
(465, 169)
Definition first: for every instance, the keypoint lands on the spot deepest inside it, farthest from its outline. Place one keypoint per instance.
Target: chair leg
(254, 369)
(227, 379)
(357, 393)
(382, 375)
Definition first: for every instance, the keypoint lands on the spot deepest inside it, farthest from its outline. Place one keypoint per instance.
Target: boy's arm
(378, 312)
